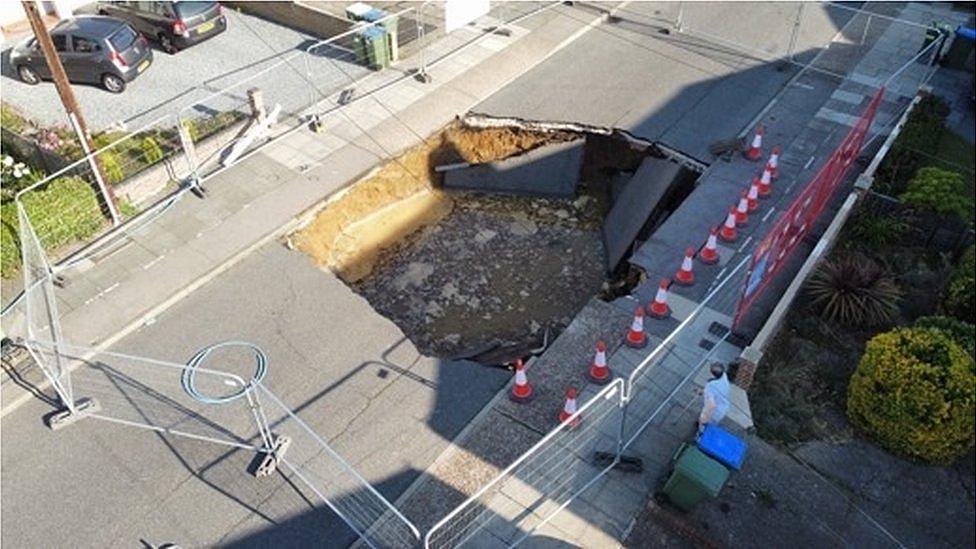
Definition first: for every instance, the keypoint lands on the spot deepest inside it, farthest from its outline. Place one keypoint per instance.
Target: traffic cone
(753, 195)
(599, 372)
(569, 409)
(709, 254)
(773, 163)
(754, 152)
(685, 276)
(766, 183)
(635, 337)
(742, 210)
(728, 232)
(659, 307)
(521, 391)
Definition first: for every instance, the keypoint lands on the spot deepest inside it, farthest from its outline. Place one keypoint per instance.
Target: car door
(39, 63)
(69, 60)
(86, 59)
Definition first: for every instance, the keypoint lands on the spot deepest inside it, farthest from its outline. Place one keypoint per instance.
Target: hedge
(65, 211)
(914, 393)
(961, 332)
(960, 297)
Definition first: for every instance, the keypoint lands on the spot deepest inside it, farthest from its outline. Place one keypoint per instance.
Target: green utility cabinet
(372, 48)
(694, 477)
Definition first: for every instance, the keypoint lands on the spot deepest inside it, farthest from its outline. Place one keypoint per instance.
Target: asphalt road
(681, 89)
(346, 371)
(248, 46)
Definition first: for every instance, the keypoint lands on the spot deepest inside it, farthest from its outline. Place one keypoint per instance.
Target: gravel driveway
(249, 45)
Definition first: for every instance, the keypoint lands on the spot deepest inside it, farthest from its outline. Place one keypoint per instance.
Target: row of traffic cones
(599, 372)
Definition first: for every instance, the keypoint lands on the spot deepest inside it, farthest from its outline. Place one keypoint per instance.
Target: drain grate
(718, 329)
(706, 344)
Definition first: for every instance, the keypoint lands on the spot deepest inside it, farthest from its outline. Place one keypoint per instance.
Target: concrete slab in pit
(637, 199)
(551, 170)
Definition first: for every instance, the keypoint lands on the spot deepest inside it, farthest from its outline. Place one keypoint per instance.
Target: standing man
(716, 394)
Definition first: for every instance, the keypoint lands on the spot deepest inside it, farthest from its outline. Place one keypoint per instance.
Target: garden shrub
(960, 297)
(853, 289)
(111, 167)
(9, 241)
(961, 332)
(192, 130)
(11, 120)
(914, 393)
(151, 151)
(62, 212)
(938, 190)
(917, 143)
(873, 231)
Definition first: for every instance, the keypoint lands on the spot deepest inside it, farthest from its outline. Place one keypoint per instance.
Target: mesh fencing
(71, 208)
(370, 515)
(41, 310)
(149, 393)
(542, 482)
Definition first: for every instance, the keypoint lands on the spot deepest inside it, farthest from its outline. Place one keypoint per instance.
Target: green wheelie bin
(372, 48)
(694, 477)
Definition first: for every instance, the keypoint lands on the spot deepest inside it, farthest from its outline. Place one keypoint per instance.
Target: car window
(123, 38)
(164, 8)
(84, 45)
(187, 10)
(60, 42)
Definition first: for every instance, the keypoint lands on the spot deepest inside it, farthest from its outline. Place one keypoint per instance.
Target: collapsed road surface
(465, 273)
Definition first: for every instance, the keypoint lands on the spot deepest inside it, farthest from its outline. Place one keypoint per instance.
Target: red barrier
(793, 224)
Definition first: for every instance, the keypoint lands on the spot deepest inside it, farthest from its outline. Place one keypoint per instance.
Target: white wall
(458, 13)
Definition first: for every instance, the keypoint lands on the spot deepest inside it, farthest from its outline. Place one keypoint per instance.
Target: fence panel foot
(83, 408)
(271, 460)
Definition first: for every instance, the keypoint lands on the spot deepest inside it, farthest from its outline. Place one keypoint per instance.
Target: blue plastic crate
(723, 446)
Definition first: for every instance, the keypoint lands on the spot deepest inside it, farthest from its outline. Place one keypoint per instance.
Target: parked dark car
(93, 49)
(174, 25)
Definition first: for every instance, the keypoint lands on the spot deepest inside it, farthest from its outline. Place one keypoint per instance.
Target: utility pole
(70, 105)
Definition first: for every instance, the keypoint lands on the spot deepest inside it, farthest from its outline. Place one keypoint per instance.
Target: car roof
(92, 26)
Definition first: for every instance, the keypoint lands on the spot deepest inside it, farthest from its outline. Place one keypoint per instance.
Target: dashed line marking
(744, 244)
(153, 262)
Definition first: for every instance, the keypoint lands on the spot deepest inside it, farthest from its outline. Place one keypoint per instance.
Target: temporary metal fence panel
(310, 458)
(542, 482)
(41, 319)
(69, 208)
(153, 394)
(796, 221)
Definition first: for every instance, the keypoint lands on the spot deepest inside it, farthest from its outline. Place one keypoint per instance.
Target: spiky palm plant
(854, 290)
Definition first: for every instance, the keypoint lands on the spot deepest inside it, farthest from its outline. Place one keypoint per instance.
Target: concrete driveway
(247, 46)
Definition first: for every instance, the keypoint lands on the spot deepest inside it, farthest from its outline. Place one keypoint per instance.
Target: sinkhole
(484, 242)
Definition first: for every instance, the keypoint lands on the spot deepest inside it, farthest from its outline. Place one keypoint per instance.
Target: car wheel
(113, 83)
(166, 43)
(28, 75)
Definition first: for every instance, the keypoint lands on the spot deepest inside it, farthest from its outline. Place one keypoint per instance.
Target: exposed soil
(358, 223)
(461, 273)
